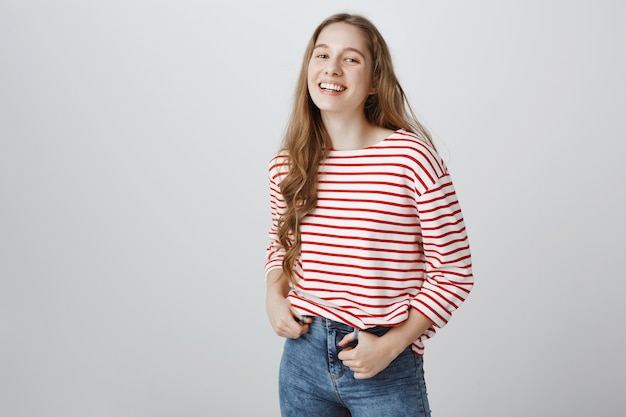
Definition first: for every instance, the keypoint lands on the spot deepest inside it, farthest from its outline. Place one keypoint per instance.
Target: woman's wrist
(406, 333)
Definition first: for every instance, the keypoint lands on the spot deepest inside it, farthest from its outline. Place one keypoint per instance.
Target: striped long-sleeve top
(387, 235)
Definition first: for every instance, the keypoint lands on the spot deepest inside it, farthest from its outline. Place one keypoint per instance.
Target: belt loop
(356, 334)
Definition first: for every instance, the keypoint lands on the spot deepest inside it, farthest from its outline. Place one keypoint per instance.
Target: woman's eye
(351, 60)
(322, 56)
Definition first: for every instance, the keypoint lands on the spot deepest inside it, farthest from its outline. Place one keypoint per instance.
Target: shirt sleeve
(449, 278)
(274, 252)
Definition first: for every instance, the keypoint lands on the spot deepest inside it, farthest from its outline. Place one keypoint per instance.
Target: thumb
(347, 339)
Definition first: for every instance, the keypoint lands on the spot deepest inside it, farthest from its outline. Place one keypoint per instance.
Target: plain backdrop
(134, 142)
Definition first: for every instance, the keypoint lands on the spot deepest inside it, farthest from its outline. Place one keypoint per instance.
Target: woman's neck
(354, 133)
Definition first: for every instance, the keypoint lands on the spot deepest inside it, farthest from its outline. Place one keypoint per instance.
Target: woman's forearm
(277, 283)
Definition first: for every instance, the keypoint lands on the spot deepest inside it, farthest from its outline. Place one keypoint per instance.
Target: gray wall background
(134, 141)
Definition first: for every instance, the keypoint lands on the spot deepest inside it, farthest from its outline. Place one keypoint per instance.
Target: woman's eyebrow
(349, 48)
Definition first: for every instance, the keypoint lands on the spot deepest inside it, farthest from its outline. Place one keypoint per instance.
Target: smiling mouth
(332, 87)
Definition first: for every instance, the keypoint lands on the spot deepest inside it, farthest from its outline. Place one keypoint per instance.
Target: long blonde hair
(307, 143)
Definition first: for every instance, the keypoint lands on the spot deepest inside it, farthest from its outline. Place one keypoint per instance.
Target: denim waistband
(331, 324)
(327, 322)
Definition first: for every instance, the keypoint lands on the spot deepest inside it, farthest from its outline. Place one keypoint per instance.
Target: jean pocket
(352, 344)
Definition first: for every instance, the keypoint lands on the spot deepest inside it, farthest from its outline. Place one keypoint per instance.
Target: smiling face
(339, 73)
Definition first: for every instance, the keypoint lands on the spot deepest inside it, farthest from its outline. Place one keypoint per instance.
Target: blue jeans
(314, 382)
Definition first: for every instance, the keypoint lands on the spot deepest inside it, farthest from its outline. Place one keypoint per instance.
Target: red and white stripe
(387, 234)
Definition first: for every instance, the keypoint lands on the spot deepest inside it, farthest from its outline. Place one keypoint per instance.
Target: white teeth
(332, 87)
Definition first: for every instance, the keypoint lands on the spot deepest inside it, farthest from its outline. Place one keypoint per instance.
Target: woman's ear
(374, 86)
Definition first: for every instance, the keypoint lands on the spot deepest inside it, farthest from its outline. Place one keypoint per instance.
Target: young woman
(368, 252)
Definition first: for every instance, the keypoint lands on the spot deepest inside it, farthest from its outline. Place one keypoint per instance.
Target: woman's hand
(369, 357)
(283, 319)
(373, 353)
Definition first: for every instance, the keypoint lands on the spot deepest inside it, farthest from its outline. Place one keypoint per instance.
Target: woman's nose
(333, 67)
